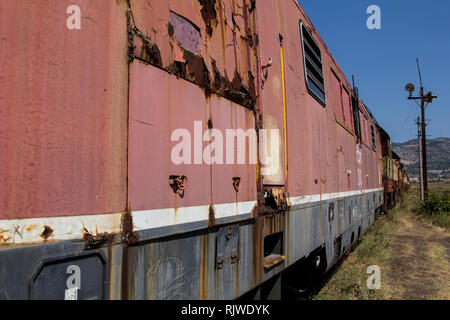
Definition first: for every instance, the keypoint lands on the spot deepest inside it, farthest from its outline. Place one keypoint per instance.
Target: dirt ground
(419, 266)
(413, 255)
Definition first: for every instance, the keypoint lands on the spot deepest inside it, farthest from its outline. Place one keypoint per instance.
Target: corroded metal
(87, 135)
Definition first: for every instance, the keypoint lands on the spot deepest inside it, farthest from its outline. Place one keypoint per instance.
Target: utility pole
(428, 98)
(422, 195)
(424, 141)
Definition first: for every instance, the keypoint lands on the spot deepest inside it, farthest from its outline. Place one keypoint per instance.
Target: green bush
(437, 207)
(436, 204)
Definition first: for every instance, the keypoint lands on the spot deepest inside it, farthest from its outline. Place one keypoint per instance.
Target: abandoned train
(93, 205)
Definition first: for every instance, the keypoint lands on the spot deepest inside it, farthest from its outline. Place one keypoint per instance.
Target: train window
(312, 60)
(347, 108)
(368, 132)
(368, 135)
(336, 92)
(365, 128)
(356, 120)
(374, 145)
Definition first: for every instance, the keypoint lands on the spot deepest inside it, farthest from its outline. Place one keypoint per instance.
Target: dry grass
(413, 257)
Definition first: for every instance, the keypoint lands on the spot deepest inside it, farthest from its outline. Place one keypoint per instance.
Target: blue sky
(384, 61)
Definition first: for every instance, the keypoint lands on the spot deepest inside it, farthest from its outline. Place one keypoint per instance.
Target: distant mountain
(438, 156)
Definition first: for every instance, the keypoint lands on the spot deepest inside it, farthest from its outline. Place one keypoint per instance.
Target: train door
(272, 93)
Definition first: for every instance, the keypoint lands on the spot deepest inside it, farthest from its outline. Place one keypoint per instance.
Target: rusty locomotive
(92, 207)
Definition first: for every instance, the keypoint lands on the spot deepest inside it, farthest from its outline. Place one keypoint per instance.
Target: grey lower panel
(151, 234)
(321, 224)
(223, 262)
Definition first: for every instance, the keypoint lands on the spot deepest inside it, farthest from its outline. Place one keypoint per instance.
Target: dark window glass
(356, 119)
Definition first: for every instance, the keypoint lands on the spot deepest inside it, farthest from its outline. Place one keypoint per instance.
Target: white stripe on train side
(20, 231)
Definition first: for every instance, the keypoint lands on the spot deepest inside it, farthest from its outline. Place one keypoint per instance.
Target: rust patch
(272, 261)
(236, 278)
(170, 30)
(236, 184)
(97, 241)
(196, 71)
(131, 46)
(279, 198)
(47, 232)
(239, 87)
(237, 81)
(4, 239)
(258, 252)
(219, 81)
(212, 216)
(235, 90)
(149, 50)
(256, 41)
(177, 68)
(128, 237)
(209, 14)
(178, 184)
(204, 268)
(252, 6)
(30, 227)
(251, 87)
(192, 69)
(273, 224)
(273, 201)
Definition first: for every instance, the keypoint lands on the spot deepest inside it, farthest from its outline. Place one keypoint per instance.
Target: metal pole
(424, 145)
(420, 159)
(428, 98)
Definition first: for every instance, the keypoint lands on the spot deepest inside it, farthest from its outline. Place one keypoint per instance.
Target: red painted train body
(88, 181)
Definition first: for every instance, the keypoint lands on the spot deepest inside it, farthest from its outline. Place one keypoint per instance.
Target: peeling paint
(209, 14)
(96, 241)
(187, 59)
(235, 90)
